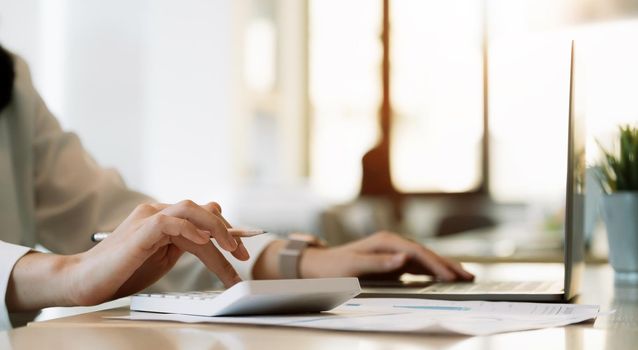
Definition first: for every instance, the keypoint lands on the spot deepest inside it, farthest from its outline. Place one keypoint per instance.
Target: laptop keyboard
(489, 287)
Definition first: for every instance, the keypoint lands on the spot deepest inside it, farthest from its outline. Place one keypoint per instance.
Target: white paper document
(413, 316)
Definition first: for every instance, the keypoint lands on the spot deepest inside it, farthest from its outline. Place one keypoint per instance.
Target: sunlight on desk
(92, 330)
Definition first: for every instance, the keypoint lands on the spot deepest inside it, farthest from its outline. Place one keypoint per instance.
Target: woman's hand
(147, 245)
(140, 251)
(383, 253)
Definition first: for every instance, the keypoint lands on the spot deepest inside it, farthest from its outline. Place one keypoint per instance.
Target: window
(345, 88)
(436, 61)
(436, 94)
(444, 56)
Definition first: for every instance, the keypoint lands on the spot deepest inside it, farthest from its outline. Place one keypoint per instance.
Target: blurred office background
(268, 106)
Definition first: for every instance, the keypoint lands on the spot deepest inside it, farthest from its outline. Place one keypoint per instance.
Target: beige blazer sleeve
(74, 196)
(58, 194)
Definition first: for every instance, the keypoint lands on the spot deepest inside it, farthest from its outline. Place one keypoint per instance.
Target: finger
(457, 268)
(213, 207)
(204, 220)
(153, 269)
(173, 254)
(216, 209)
(159, 206)
(459, 273)
(431, 261)
(143, 210)
(422, 255)
(377, 263)
(161, 225)
(241, 252)
(212, 259)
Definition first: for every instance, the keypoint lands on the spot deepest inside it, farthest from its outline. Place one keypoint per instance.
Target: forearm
(39, 280)
(267, 265)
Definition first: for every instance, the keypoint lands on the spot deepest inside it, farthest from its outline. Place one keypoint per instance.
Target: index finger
(430, 260)
(204, 220)
(416, 251)
(211, 258)
(241, 252)
(216, 209)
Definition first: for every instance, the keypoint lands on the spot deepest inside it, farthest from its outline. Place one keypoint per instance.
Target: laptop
(536, 291)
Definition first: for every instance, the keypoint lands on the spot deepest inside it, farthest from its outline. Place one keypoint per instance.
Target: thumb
(378, 263)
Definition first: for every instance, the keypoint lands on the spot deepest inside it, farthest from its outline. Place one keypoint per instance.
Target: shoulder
(25, 100)
(26, 107)
(22, 82)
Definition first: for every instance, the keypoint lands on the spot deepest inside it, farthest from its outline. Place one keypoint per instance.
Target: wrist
(70, 271)
(310, 262)
(59, 281)
(40, 280)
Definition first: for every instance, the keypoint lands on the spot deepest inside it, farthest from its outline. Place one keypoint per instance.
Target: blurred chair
(457, 223)
(350, 221)
(421, 217)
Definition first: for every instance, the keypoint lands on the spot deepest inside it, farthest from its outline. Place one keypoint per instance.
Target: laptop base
(488, 291)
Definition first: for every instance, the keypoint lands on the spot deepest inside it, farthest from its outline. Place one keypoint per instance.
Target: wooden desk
(617, 331)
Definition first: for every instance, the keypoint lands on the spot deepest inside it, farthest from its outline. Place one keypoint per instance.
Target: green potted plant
(619, 179)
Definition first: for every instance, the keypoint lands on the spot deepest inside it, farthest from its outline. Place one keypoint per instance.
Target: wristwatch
(289, 258)
(290, 255)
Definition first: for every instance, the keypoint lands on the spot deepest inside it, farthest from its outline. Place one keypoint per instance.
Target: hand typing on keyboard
(381, 255)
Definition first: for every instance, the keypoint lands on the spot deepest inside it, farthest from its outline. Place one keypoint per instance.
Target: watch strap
(289, 259)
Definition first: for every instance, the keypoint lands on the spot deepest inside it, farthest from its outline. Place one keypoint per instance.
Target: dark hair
(7, 75)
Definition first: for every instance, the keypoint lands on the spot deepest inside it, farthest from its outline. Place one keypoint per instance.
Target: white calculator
(263, 297)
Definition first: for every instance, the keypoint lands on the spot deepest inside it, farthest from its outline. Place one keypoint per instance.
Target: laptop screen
(576, 166)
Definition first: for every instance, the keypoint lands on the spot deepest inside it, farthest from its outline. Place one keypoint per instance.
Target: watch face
(311, 239)
(296, 244)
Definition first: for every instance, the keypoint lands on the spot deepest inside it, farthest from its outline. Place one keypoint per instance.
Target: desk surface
(616, 331)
